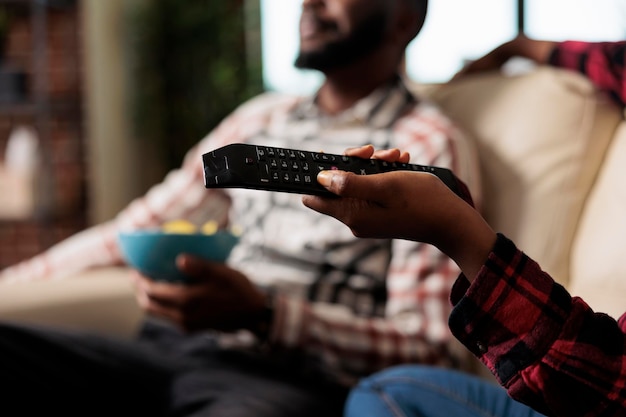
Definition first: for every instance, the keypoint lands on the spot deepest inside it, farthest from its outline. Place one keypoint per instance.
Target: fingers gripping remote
(295, 171)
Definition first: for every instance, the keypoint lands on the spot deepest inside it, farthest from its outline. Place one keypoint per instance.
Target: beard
(365, 37)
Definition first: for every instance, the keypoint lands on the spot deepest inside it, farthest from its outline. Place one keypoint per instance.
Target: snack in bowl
(153, 252)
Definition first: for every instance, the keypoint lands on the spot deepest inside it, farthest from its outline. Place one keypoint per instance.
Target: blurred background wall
(41, 78)
(114, 93)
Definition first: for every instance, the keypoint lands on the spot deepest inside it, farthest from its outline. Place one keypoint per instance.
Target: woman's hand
(521, 46)
(406, 205)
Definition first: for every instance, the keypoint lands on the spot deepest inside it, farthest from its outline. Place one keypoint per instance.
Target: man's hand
(220, 297)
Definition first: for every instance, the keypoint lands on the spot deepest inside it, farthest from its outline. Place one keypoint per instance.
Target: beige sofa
(552, 153)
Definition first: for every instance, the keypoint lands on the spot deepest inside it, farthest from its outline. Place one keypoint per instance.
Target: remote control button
(324, 157)
(260, 153)
(368, 170)
(271, 153)
(264, 173)
(273, 164)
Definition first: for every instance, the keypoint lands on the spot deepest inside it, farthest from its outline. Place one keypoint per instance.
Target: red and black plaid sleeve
(550, 350)
(602, 62)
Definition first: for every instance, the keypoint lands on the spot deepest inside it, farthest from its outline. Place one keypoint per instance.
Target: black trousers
(162, 373)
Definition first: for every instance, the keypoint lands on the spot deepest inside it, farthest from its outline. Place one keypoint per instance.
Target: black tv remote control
(242, 165)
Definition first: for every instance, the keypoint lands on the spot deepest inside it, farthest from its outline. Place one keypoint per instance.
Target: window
(591, 20)
(279, 33)
(455, 31)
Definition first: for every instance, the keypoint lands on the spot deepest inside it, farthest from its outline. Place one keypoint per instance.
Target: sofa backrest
(598, 272)
(541, 138)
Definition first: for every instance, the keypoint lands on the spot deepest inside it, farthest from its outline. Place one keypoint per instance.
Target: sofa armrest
(101, 300)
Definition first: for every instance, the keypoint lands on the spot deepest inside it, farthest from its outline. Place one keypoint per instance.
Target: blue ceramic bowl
(154, 252)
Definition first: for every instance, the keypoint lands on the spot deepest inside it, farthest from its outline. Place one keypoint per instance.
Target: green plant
(191, 68)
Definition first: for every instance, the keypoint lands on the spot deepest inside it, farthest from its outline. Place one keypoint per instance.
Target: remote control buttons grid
(296, 167)
(285, 166)
(290, 170)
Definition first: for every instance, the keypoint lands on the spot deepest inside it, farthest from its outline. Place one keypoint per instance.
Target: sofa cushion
(541, 137)
(99, 300)
(599, 249)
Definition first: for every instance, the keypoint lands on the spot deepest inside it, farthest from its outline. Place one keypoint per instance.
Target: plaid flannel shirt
(548, 349)
(604, 63)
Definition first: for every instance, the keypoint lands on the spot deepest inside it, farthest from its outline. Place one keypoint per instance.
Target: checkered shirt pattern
(548, 349)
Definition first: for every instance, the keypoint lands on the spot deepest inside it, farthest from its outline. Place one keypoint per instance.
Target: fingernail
(325, 178)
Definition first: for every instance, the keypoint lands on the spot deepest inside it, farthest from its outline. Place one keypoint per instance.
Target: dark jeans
(164, 373)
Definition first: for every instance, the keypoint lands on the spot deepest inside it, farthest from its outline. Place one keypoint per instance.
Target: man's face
(334, 33)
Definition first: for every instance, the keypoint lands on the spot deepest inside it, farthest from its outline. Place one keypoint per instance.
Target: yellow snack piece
(209, 227)
(179, 226)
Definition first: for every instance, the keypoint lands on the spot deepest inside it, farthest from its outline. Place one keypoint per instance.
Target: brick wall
(59, 121)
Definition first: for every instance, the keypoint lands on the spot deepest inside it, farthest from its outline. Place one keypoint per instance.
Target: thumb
(348, 184)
